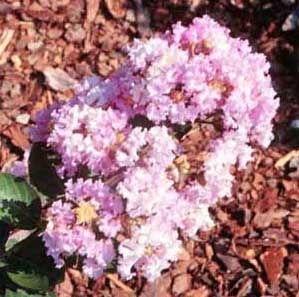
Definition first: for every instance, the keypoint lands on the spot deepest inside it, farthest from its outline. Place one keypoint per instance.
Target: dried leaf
(58, 79)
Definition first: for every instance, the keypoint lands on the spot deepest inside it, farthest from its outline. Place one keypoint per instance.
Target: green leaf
(30, 279)
(4, 234)
(30, 267)
(42, 172)
(14, 189)
(18, 293)
(22, 293)
(20, 216)
(16, 237)
(3, 263)
(19, 203)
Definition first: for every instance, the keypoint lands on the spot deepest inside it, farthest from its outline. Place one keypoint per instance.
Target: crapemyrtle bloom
(133, 186)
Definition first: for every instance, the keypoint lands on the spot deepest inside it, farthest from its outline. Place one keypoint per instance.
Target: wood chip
(261, 286)
(92, 7)
(16, 61)
(264, 220)
(66, 288)
(245, 288)
(231, 263)
(158, 288)
(181, 284)
(23, 118)
(4, 154)
(75, 33)
(272, 261)
(268, 201)
(5, 39)
(293, 266)
(17, 136)
(114, 278)
(286, 158)
(116, 8)
(143, 19)
(45, 15)
(209, 251)
(201, 292)
(58, 79)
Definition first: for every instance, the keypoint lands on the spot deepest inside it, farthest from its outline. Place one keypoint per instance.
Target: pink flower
(151, 249)
(69, 230)
(43, 121)
(119, 141)
(20, 167)
(146, 190)
(86, 135)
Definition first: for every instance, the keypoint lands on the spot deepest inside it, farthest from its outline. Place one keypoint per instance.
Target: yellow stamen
(207, 45)
(85, 213)
(183, 164)
(149, 250)
(120, 137)
(217, 85)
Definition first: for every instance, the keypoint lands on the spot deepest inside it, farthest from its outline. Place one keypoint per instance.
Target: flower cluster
(88, 205)
(132, 186)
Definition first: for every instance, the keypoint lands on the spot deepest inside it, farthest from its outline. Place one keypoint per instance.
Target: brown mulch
(46, 46)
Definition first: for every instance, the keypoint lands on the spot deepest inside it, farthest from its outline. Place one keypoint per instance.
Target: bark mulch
(46, 46)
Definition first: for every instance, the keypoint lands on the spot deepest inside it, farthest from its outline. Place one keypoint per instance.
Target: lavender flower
(138, 180)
